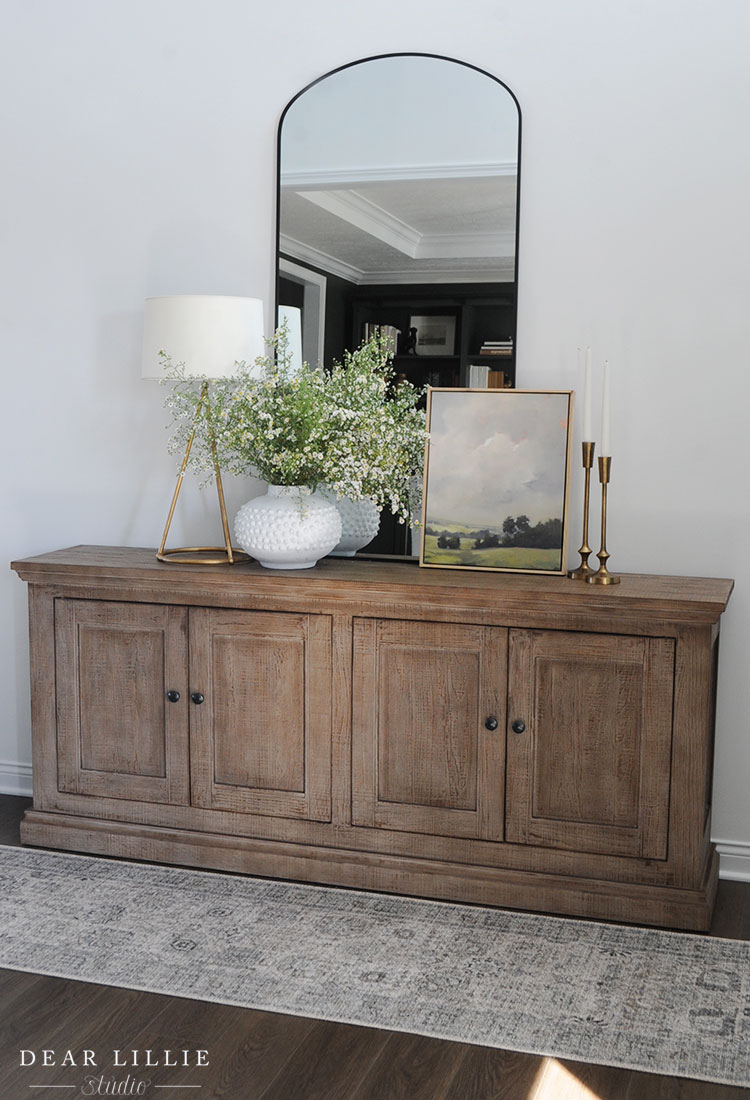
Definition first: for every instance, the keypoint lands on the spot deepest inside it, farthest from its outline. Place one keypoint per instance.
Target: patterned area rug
(663, 1002)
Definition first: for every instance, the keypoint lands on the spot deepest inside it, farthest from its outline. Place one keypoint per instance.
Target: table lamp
(210, 335)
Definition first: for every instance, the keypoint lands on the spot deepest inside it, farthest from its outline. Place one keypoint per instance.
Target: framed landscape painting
(496, 480)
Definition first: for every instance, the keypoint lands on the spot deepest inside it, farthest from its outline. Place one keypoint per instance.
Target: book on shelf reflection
(497, 347)
(390, 332)
(482, 378)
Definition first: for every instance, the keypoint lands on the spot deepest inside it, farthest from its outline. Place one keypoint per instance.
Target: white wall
(138, 144)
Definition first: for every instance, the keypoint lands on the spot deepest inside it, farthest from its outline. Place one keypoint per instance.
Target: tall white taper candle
(587, 430)
(606, 442)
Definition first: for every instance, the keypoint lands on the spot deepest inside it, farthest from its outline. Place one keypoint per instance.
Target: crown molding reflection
(502, 271)
(346, 177)
(359, 212)
(314, 257)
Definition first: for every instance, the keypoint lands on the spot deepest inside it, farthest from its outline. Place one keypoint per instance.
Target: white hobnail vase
(289, 527)
(360, 522)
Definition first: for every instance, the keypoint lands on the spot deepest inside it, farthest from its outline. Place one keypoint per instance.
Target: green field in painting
(456, 528)
(497, 557)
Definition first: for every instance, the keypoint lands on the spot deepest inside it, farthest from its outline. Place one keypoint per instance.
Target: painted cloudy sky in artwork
(496, 454)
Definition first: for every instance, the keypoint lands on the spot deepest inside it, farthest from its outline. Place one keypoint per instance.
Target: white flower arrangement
(351, 428)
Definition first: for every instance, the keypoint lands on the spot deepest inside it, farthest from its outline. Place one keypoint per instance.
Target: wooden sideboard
(505, 739)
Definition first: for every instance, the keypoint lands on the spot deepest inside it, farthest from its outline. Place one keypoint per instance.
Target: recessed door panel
(258, 692)
(121, 693)
(437, 698)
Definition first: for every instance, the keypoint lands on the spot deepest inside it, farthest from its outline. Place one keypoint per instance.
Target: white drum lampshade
(209, 333)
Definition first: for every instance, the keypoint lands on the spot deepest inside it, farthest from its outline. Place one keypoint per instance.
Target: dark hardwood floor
(267, 1056)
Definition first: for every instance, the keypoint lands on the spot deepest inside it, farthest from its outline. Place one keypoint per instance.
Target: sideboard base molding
(569, 896)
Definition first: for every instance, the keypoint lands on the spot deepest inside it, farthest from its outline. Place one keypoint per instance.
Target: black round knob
(197, 697)
(490, 723)
(173, 696)
(519, 726)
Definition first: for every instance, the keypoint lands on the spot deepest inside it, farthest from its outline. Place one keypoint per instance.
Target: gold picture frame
(497, 470)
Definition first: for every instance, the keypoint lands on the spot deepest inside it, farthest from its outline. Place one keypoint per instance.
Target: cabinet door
(424, 695)
(118, 734)
(261, 739)
(591, 769)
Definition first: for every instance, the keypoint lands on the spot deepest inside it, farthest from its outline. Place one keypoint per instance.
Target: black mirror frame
(380, 57)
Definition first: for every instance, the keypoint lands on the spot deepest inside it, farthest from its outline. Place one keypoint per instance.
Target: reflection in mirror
(398, 206)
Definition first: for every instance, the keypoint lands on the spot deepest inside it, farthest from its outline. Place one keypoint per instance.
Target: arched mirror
(398, 206)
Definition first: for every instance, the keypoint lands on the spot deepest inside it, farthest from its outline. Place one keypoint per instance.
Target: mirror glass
(398, 206)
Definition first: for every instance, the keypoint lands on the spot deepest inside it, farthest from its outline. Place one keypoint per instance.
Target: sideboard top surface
(697, 599)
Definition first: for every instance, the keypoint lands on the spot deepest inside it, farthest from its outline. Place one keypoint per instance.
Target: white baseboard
(734, 860)
(15, 778)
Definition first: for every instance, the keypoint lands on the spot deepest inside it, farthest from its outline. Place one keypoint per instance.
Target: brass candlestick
(603, 575)
(584, 570)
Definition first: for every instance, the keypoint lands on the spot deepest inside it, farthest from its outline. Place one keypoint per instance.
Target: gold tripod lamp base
(188, 552)
(209, 555)
(201, 555)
